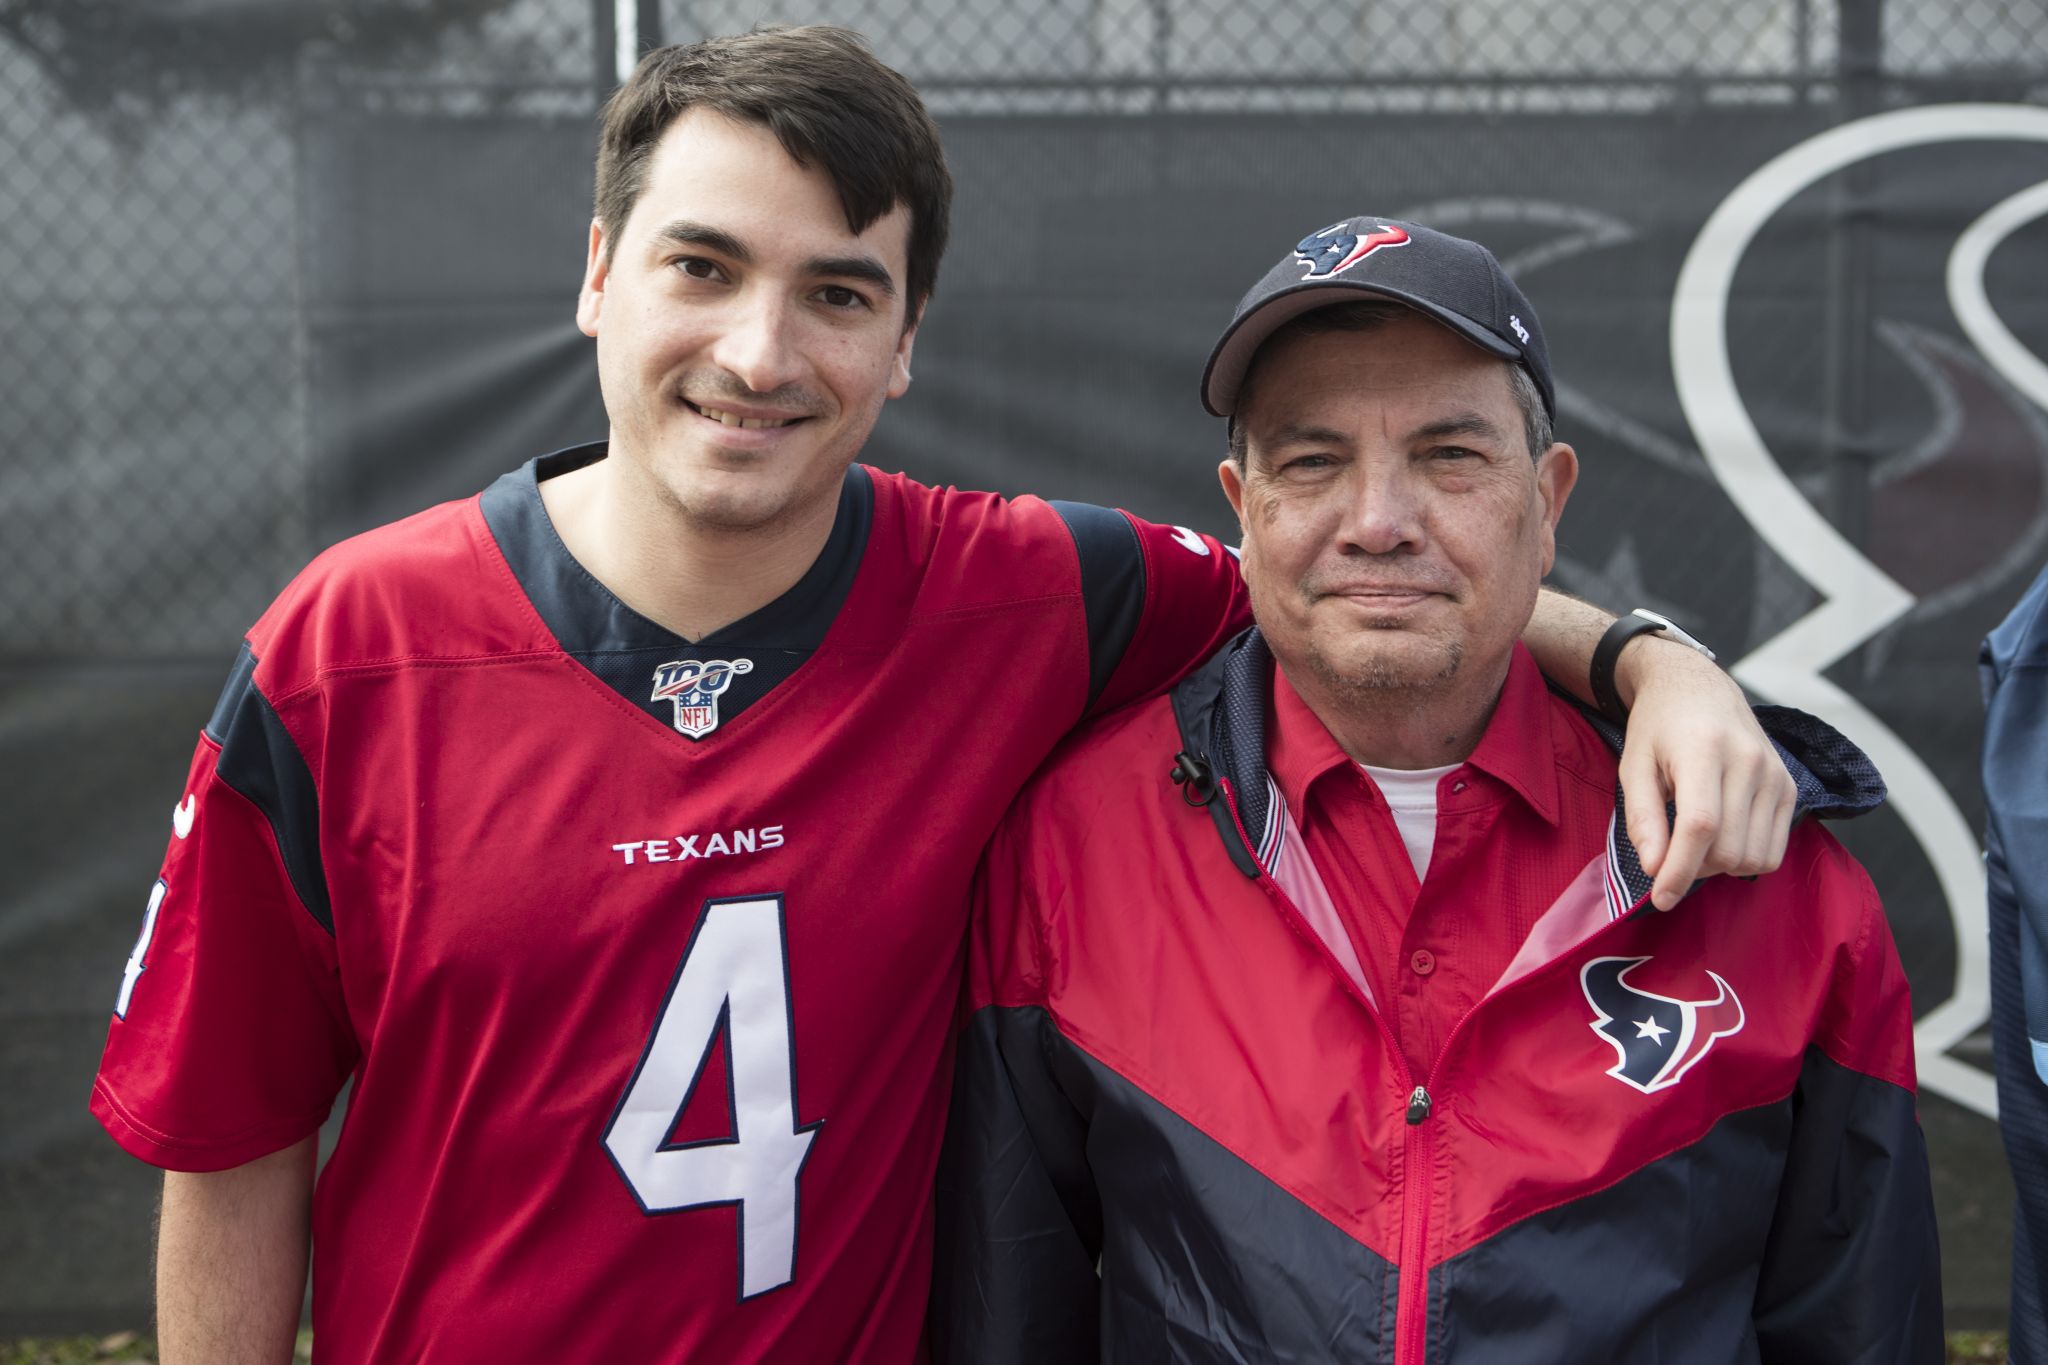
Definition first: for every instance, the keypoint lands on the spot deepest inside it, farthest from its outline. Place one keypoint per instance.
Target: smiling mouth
(1383, 594)
(733, 419)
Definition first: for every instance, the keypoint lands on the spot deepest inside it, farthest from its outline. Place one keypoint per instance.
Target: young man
(613, 830)
(1374, 1058)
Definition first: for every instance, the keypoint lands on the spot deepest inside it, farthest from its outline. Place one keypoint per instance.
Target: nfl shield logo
(694, 686)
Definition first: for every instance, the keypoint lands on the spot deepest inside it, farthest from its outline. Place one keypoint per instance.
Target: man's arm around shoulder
(1692, 741)
(231, 1260)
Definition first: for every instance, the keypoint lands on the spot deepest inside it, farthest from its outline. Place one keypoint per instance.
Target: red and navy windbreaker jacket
(1182, 1133)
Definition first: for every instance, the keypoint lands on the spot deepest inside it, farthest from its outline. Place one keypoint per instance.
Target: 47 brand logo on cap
(694, 686)
(1340, 246)
(1658, 1038)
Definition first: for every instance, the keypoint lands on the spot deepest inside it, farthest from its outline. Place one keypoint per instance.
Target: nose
(1383, 514)
(758, 345)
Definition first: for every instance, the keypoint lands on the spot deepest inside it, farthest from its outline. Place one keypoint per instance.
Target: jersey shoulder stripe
(261, 761)
(1112, 585)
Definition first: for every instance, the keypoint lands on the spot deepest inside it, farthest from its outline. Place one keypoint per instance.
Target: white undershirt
(1411, 796)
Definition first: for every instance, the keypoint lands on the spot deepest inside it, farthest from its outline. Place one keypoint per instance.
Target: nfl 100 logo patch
(695, 685)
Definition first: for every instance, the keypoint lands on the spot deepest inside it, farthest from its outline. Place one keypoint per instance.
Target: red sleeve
(1195, 600)
(229, 1038)
(1159, 600)
(1867, 1023)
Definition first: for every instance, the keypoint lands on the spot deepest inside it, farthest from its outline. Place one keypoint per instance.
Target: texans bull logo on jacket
(1657, 1037)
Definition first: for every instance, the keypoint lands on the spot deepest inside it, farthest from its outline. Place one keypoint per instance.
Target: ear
(1557, 472)
(596, 271)
(899, 367)
(1232, 479)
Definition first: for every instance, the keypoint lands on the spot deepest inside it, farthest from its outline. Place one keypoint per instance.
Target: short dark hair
(830, 104)
(1368, 315)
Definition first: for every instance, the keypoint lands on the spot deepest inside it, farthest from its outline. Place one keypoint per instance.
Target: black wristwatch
(1624, 629)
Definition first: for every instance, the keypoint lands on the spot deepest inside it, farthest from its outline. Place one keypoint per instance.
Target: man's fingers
(1757, 857)
(1781, 827)
(1693, 739)
(1770, 821)
(1693, 833)
(1756, 803)
(1739, 846)
(1643, 792)
(1763, 845)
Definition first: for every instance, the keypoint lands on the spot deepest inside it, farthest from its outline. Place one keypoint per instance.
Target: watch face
(1672, 630)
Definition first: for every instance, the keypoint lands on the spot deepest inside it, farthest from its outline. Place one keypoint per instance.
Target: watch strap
(1624, 629)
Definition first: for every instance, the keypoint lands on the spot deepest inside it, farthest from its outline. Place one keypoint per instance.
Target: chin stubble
(1380, 677)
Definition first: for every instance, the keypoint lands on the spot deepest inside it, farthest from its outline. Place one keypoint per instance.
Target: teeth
(744, 423)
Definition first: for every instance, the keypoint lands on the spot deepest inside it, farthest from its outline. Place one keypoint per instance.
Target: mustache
(712, 388)
(1335, 585)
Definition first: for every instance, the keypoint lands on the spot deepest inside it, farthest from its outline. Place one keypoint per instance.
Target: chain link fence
(158, 478)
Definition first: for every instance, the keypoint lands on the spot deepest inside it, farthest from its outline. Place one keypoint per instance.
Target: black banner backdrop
(258, 324)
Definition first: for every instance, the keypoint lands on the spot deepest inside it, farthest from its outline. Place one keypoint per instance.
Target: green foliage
(128, 1346)
(1968, 1348)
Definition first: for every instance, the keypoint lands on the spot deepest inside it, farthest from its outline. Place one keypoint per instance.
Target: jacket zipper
(1411, 1313)
(1418, 1158)
(1411, 1307)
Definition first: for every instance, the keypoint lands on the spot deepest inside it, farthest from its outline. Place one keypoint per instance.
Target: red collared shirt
(1515, 823)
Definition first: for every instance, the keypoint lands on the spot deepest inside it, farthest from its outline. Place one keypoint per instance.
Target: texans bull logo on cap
(1657, 1037)
(694, 685)
(1340, 246)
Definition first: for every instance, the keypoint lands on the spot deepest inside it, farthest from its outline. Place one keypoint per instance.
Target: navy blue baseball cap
(1454, 281)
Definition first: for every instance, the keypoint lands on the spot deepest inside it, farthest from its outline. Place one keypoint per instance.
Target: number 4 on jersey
(735, 977)
(135, 968)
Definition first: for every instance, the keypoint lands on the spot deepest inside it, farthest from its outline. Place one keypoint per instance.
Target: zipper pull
(1195, 778)
(1418, 1106)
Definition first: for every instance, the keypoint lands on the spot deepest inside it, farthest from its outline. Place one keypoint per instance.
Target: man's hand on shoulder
(1694, 742)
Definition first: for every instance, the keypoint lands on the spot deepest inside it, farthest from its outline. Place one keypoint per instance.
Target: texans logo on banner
(1657, 1037)
(695, 685)
(1337, 247)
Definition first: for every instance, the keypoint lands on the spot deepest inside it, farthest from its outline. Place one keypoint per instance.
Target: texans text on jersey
(684, 847)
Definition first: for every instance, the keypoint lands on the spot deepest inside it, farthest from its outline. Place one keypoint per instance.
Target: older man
(1315, 1017)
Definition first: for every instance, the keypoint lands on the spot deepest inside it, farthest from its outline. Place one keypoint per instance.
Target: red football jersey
(644, 956)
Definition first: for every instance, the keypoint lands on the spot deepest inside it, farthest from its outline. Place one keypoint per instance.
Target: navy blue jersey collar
(643, 661)
(586, 618)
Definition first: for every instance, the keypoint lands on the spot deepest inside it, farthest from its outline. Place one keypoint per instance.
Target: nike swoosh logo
(1190, 540)
(182, 815)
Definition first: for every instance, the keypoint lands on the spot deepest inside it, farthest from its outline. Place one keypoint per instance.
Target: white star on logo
(181, 815)
(1190, 541)
(1651, 1029)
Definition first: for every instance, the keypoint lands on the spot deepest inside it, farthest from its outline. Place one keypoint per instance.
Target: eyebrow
(1305, 433)
(863, 268)
(1462, 424)
(1458, 424)
(685, 233)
